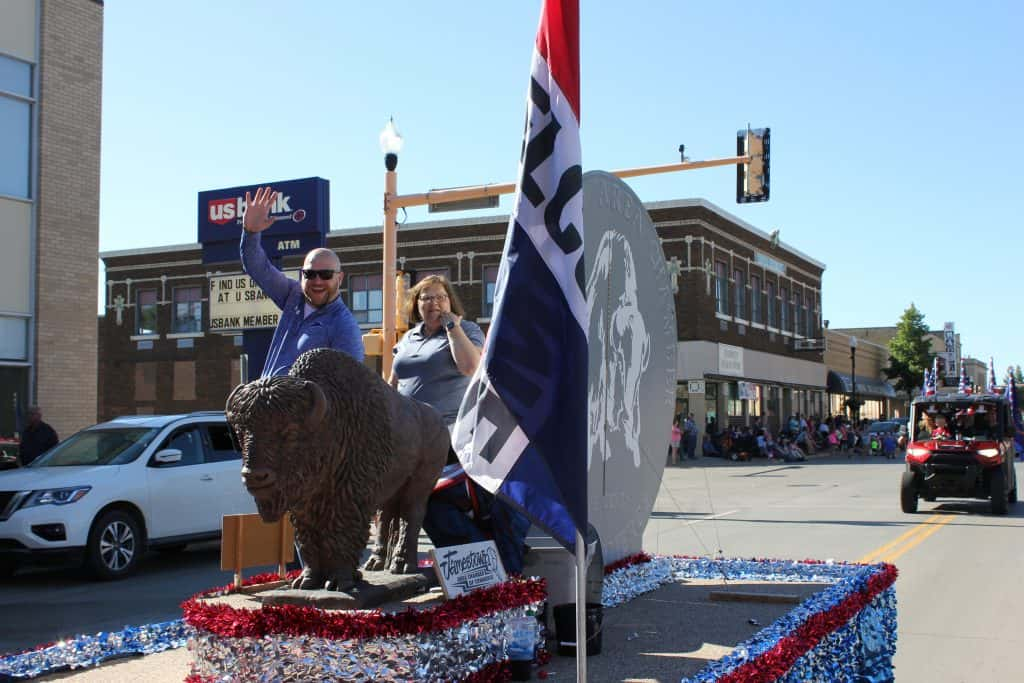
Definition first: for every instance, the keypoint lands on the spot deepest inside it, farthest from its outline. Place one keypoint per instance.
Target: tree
(910, 351)
(1018, 376)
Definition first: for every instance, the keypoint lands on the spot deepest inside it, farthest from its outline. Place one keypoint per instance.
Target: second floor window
(755, 300)
(490, 278)
(188, 310)
(367, 298)
(739, 296)
(810, 317)
(798, 313)
(427, 272)
(784, 308)
(145, 314)
(772, 305)
(721, 288)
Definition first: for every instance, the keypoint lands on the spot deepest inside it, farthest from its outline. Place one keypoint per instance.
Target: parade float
(845, 630)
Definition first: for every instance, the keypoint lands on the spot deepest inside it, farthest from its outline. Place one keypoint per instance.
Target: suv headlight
(65, 496)
(988, 452)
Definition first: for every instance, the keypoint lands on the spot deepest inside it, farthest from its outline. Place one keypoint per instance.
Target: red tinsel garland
(774, 663)
(293, 620)
(638, 558)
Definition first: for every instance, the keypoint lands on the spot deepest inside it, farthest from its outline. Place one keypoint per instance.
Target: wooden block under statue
(248, 541)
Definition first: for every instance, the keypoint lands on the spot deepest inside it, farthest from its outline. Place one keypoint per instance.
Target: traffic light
(752, 179)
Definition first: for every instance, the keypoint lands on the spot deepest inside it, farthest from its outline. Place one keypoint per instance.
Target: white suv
(110, 491)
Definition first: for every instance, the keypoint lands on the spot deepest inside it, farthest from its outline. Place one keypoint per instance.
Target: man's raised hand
(257, 210)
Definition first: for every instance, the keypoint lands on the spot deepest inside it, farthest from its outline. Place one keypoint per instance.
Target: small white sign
(696, 386)
(238, 303)
(730, 360)
(465, 568)
(747, 391)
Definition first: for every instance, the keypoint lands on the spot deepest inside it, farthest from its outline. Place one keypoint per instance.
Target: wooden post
(238, 551)
(282, 550)
(388, 284)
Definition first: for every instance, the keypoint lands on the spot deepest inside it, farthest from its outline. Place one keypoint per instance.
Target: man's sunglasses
(312, 274)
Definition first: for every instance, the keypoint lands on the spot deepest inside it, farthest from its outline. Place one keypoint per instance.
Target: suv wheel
(7, 568)
(115, 544)
(997, 491)
(908, 492)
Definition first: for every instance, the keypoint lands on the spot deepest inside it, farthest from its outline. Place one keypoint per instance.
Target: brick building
(741, 301)
(50, 78)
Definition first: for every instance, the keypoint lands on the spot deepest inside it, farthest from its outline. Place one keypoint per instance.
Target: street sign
(809, 344)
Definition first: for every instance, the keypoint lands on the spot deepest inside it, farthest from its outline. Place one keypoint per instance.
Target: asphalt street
(959, 597)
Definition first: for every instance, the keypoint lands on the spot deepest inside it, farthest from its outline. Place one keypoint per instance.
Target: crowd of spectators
(798, 437)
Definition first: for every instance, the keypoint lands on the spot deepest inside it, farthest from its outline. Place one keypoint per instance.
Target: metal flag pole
(581, 608)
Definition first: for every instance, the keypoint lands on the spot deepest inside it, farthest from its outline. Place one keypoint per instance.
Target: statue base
(373, 590)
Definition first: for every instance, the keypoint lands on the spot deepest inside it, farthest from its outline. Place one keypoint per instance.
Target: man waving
(312, 314)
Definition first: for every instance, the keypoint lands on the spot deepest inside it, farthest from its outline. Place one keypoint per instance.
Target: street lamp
(390, 144)
(853, 379)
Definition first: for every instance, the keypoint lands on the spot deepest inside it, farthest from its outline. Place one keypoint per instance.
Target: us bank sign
(301, 216)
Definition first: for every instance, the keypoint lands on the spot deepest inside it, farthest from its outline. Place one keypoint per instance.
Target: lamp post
(390, 144)
(853, 378)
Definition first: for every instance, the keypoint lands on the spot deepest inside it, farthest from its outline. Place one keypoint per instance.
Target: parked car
(962, 448)
(884, 427)
(109, 492)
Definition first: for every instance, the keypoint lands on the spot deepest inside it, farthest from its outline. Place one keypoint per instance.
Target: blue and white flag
(522, 427)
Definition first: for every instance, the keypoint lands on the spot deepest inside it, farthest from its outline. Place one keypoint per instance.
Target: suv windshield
(98, 447)
(959, 421)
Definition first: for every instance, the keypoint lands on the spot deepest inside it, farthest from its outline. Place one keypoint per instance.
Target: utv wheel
(115, 545)
(908, 493)
(997, 492)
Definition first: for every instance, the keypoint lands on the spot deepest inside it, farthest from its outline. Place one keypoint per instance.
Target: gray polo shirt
(426, 370)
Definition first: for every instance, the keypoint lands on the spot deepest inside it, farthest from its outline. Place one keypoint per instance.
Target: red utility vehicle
(961, 447)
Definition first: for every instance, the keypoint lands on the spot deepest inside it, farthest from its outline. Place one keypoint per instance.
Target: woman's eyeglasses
(439, 298)
(312, 274)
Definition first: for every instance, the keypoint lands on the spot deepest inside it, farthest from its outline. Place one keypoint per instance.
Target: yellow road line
(921, 527)
(917, 539)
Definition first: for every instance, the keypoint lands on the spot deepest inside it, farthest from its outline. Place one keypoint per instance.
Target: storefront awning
(841, 383)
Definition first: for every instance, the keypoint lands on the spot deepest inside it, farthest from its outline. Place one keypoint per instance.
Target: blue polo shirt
(426, 370)
(331, 326)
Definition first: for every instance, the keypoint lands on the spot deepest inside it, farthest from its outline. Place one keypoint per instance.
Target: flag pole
(581, 608)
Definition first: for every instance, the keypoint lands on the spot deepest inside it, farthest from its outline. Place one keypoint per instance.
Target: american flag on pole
(1018, 423)
(993, 386)
(965, 382)
(522, 427)
(930, 381)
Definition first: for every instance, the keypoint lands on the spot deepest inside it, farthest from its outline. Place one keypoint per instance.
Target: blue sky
(895, 154)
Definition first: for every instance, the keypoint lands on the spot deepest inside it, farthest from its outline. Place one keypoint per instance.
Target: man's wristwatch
(450, 325)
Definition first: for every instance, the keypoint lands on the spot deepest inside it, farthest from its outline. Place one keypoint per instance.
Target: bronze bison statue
(330, 444)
